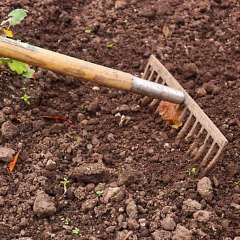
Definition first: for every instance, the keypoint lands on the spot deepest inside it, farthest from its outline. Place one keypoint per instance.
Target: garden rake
(207, 143)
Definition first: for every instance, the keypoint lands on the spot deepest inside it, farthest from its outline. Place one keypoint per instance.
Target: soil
(123, 180)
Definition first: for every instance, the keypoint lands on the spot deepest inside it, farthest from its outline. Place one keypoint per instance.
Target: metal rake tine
(185, 127)
(192, 130)
(210, 150)
(194, 144)
(213, 162)
(201, 149)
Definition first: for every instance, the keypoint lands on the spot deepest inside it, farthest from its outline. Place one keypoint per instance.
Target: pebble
(132, 224)
(2, 117)
(120, 4)
(90, 173)
(109, 193)
(9, 130)
(201, 92)
(182, 233)
(131, 209)
(43, 205)
(94, 106)
(190, 70)
(190, 206)
(89, 204)
(202, 216)
(204, 188)
(168, 223)
(161, 235)
(80, 193)
(6, 154)
(237, 238)
(51, 165)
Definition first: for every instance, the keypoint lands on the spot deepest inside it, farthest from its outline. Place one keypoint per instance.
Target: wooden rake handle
(67, 65)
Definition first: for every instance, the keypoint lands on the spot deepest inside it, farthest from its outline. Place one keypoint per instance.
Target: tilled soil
(123, 181)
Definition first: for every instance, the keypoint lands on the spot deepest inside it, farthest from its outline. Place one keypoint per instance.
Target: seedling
(88, 30)
(192, 171)
(66, 221)
(26, 98)
(65, 182)
(99, 193)
(15, 17)
(110, 45)
(76, 231)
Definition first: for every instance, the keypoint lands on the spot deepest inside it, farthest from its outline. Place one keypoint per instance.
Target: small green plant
(110, 45)
(237, 183)
(99, 193)
(26, 99)
(76, 231)
(66, 220)
(15, 17)
(65, 182)
(192, 171)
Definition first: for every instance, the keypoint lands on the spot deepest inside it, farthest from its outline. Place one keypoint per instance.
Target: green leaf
(4, 60)
(16, 16)
(20, 68)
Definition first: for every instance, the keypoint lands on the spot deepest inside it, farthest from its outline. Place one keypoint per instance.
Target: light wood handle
(64, 64)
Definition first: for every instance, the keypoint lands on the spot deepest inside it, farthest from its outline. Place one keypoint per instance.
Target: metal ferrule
(157, 90)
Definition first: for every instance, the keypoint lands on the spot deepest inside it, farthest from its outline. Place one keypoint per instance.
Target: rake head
(207, 143)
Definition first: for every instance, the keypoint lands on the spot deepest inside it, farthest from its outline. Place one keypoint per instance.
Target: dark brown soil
(140, 157)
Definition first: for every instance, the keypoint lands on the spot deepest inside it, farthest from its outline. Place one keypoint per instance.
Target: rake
(207, 143)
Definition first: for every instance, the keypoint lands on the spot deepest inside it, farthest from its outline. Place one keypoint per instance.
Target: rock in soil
(9, 130)
(43, 205)
(120, 4)
(190, 206)
(204, 188)
(94, 106)
(6, 154)
(90, 173)
(182, 233)
(109, 193)
(190, 70)
(168, 223)
(131, 209)
(161, 235)
(89, 204)
(202, 216)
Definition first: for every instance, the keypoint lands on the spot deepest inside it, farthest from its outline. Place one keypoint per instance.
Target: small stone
(127, 177)
(2, 117)
(190, 206)
(80, 193)
(132, 224)
(110, 229)
(204, 188)
(236, 198)
(201, 92)
(131, 209)
(6, 154)
(89, 204)
(161, 235)
(90, 173)
(182, 233)
(96, 88)
(142, 222)
(120, 4)
(202, 216)
(51, 165)
(9, 130)
(236, 238)
(7, 110)
(190, 70)
(43, 205)
(168, 223)
(94, 106)
(122, 109)
(1, 201)
(110, 193)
